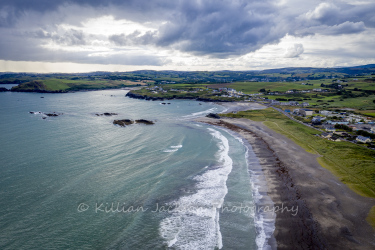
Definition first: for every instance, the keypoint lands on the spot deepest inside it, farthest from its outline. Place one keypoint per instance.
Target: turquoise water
(77, 181)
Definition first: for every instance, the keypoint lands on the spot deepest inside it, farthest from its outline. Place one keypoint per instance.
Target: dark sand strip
(330, 215)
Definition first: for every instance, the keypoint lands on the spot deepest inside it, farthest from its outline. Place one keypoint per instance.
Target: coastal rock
(54, 114)
(147, 122)
(51, 114)
(3, 89)
(213, 115)
(106, 114)
(123, 122)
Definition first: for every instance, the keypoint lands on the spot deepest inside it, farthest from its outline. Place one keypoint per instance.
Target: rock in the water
(213, 115)
(123, 122)
(106, 114)
(51, 114)
(3, 89)
(147, 122)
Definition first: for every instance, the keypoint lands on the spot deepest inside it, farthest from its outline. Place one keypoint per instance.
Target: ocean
(76, 181)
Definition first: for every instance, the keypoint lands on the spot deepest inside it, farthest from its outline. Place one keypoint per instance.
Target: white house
(306, 112)
(363, 139)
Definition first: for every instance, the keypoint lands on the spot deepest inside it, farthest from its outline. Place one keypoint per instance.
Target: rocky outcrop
(144, 97)
(212, 115)
(123, 123)
(106, 114)
(147, 122)
(45, 115)
(3, 89)
(126, 122)
(51, 114)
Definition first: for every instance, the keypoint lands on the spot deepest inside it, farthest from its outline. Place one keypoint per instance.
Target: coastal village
(335, 125)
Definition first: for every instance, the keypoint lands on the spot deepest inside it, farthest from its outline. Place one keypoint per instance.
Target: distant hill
(303, 70)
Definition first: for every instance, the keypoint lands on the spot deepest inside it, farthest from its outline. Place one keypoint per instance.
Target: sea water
(76, 181)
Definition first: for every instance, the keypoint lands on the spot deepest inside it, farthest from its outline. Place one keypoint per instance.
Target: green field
(64, 85)
(183, 95)
(254, 87)
(353, 164)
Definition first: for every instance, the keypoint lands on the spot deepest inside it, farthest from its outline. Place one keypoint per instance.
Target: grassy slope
(53, 84)
(353, 164)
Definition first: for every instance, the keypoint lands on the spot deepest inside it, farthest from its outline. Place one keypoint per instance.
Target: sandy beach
(330, 215)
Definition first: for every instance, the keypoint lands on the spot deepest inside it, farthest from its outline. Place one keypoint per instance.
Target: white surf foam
(194, 223)
(170, 150)
(199, 114)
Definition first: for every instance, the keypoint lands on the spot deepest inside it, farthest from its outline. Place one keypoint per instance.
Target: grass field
(52, 84)
(353, 164)
(254, 87)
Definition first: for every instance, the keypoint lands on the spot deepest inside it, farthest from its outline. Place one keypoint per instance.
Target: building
(335, 138)
(373, 129)
(326, 135)
(330, 129)
(306, 112)
(338, 122)
(316, 121)
(293, 103)
(325, 112)
(363, 139)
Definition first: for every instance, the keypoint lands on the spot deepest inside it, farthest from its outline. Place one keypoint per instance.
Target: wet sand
(330, 215)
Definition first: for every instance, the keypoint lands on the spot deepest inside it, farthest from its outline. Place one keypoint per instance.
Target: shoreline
(264, 220)
(330, 215)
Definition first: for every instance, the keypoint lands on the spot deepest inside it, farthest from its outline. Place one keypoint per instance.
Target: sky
(71, 36)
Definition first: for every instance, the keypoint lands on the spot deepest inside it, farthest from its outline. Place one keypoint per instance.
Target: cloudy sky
(124, 35)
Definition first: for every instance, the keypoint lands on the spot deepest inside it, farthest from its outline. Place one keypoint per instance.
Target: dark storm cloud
(221, 28)
(215, 28)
